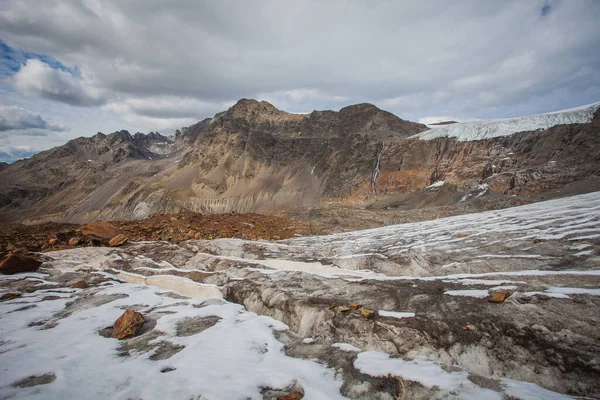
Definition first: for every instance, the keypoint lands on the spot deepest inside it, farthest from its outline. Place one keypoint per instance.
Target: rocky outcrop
(18, 263)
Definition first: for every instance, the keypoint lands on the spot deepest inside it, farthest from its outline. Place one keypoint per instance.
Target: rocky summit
(227, 261)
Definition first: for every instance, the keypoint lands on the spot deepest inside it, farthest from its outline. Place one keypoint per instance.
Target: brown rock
(365, 312)
(118, 240)
(198, 235)
(74, 241)
(354, 306)
(52, 241)
(291, 396)
(343, 308)
(17, 263)
(127, 325)
(275, 237)
(499, 296)
(332, 306)
(191, 234)
(537, 240)
(50, 298)
(80, 284)
(100, 231)
(11, 295)
(462, 235)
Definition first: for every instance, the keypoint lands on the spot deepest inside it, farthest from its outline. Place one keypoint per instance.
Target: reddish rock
(127, 325)
(74, 241)
(52, 241)
(80, 284)
(118, 240)
(354, 306)
(291, 396)
(365, 312)
(17, 263)
(499, 296)
(100, 231)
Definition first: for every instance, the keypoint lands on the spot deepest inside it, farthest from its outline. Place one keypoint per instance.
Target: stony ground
(402, 311)
(170, 227)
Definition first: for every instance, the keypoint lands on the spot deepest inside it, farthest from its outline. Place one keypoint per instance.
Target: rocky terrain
(256, 158)
(494, 305)
(170, 227)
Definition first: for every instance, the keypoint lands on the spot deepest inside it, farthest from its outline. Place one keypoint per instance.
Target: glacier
(478, 130)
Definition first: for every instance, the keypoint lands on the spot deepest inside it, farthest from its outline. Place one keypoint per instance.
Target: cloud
(38, 78)
(25, 122)
(9, 154)
(163, 63)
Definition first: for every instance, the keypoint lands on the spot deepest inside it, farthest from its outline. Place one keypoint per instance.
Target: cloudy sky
(71, 68)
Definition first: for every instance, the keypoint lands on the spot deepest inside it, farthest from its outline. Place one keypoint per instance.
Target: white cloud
(39, 78)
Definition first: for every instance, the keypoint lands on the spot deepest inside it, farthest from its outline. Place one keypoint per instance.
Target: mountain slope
(256, 158)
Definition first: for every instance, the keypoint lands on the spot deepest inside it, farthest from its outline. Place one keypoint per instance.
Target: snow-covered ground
(477, 130)
(434, 333)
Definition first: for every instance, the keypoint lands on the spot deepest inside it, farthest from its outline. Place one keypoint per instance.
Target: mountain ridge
(256, 158)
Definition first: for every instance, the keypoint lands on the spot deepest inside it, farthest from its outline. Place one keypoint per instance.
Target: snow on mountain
(477, 130)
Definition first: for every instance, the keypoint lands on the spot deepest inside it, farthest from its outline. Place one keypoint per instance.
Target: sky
(73, 68)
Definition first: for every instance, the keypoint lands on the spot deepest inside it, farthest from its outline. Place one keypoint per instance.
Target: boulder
(80, 284)
(100, 231)
(127, 325)
(365, 312)
(499, 296)
(118, 240)
(291, 396)
(18, 263)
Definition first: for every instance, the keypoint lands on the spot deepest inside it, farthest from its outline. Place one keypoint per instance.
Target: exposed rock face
(127, 325)
(100, 231)
(256, 158)
(18, 263)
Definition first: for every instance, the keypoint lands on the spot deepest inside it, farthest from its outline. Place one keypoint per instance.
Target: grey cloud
(470, 58)
(24, 122)
(9, 154)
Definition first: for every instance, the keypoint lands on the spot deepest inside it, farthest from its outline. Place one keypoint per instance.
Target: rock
(191, 234)
(275, 237)
(80, 284)
(365, 312)
(537, 240)
(100, 231)
(18, 263)
(50, 298)
(198, 235)
(291, 396)
(127, 325)
(461, 235)
(74, 241)
(343, 308)
(354, 306)
(11, 295)
(499, 296)
(118, 240)
(52, 241)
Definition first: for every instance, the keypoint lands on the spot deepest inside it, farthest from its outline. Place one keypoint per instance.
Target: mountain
(256, 158)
